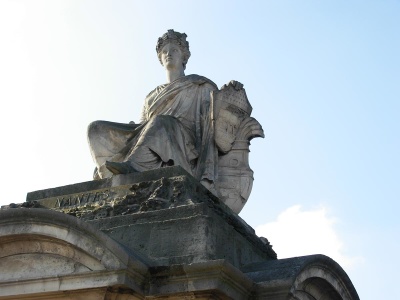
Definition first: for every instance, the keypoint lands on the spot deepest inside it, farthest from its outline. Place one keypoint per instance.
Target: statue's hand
(236, 85)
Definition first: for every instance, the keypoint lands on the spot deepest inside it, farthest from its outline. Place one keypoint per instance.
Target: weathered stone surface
(42, 251)
(127, 194)
(231, 107)
(170, 220)
(191, 246)
(302, 278)
(215, 279)
(160, 234)
(187, 122)
(48, 255)
(187, 234)
(123, 194)
(200, 250)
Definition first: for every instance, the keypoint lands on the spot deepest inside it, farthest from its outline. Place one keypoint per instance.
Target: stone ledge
(115, 181)
(169, 195)
(315, 275)
(124, 194)
(216, 277)
(89, 280)
(187, 234)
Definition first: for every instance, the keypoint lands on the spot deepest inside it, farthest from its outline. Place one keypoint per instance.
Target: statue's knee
(159, 120)
(94, 127)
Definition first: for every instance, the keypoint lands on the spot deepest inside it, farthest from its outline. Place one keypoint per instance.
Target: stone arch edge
(326, 270)
(287, 278)
(113, 264)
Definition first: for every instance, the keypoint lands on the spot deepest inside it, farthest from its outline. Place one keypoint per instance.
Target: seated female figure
(175, 128)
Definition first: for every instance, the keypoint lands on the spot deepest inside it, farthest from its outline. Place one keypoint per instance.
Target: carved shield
(230, 107)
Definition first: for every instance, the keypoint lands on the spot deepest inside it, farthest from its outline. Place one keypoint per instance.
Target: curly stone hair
(177, 38)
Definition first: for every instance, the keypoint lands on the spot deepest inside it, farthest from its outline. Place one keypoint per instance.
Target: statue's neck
(173, 75)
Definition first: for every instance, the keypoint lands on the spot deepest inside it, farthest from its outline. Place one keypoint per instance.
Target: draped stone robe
(175, 129)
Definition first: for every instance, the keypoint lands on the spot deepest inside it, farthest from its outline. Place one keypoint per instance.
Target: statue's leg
(106, 140)
(163, 141)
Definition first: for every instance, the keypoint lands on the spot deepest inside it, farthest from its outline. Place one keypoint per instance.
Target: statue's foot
(120, 167)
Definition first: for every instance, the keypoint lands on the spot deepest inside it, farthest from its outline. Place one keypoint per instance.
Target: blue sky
(323, 78)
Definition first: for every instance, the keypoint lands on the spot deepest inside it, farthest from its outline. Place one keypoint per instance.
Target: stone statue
(186, 122)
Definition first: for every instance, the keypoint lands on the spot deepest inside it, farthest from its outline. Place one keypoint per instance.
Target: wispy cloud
(297, 232)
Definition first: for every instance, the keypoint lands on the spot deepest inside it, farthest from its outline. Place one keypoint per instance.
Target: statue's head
(178, 39)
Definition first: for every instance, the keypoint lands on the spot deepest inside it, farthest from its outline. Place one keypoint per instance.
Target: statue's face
(172, 56)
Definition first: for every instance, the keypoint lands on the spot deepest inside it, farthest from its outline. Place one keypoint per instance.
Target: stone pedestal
(154, 235)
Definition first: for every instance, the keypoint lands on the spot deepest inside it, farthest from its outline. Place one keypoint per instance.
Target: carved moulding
(153, 190)
(301, 278)
(48, 255)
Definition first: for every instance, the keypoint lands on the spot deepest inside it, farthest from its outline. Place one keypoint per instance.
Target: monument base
(153, 235)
